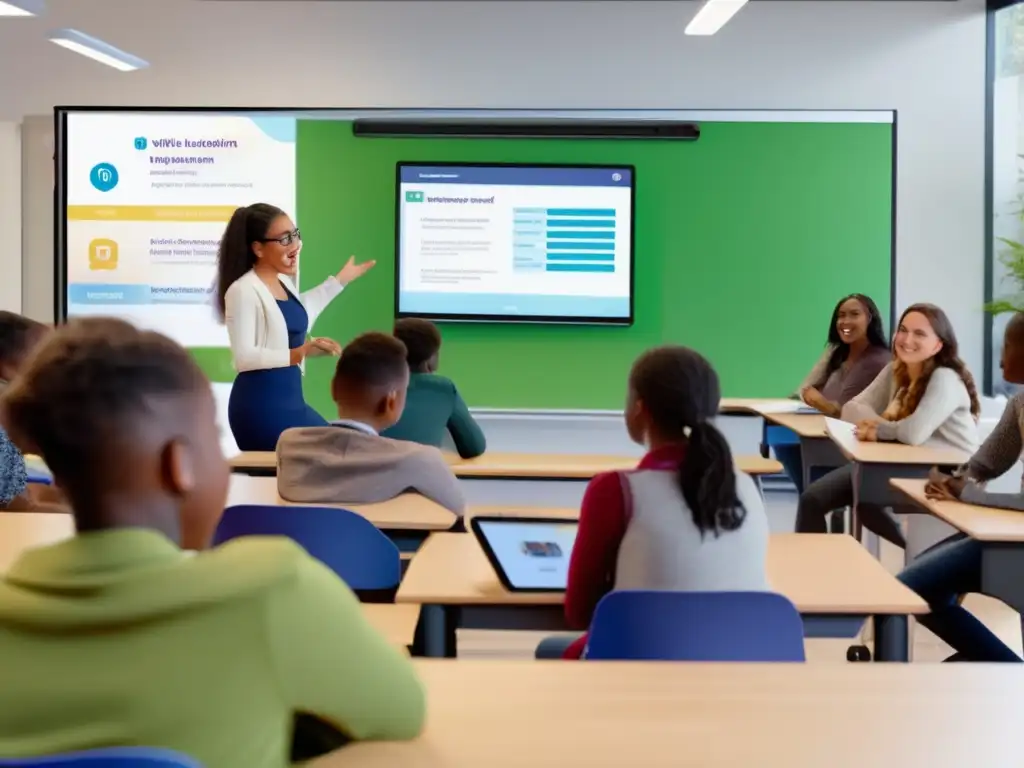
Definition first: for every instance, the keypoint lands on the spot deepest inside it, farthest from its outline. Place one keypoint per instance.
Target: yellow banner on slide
(150, 212)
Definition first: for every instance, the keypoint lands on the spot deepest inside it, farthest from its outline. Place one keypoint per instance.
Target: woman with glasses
(268, 323)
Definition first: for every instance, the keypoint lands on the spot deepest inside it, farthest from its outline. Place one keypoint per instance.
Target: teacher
(267, 323)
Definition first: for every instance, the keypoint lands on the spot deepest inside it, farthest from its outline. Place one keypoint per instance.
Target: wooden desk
(519, 466)
(999, 533)
(878, 463)
(981, 523)
(752, 406)
(21, 531)
(396, 622)
(507, 714)
(832, 580)
(817, 451)
(254, 462)
(27, 530)
(408, 517)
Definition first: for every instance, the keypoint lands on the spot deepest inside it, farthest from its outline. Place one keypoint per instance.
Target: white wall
(10, 216)
(924, 59)
(37, 217)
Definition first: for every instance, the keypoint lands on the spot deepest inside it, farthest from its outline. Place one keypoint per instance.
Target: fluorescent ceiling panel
(21, 7)
(714, 15)
(97, 50)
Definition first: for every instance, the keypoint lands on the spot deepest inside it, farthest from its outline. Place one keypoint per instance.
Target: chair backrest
(696, 626)
(113, 757)
(347, 543)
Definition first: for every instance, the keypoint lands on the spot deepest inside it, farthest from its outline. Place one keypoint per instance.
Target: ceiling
(336, 53)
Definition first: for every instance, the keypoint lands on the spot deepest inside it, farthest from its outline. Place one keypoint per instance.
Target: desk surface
(890, 453)
(981, 523)
(804, 424)
(822, 573)
(26, 530)
(507, 714)
(410, 511)
(525, 465)
(758, 406)
(20, 531)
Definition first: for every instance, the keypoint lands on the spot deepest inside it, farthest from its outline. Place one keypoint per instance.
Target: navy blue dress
(265, 403)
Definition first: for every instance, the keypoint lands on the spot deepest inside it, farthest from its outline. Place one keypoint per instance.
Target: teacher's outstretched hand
(352, 271)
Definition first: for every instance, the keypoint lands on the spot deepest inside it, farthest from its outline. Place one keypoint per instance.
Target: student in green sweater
(433, 405)
(119, 636)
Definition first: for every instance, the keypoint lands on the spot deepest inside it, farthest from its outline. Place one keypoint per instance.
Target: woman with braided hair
(925, 396)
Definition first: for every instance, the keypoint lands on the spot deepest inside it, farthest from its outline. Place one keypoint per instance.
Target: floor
(781, 507)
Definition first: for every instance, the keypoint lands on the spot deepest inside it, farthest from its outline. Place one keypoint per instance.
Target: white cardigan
(256, 327)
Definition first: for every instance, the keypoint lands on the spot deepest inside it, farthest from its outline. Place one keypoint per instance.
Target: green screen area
(744, 241)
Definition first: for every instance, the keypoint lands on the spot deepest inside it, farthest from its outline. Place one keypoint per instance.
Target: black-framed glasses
(286, 239)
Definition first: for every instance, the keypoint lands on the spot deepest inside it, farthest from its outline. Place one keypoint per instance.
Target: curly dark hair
(18, 334)
(86, 390)
(373, 362)
(421, 337)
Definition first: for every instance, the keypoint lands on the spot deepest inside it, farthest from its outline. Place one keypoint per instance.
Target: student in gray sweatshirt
(348, 460)
(953, 567)
(926, 396)
(856, 353)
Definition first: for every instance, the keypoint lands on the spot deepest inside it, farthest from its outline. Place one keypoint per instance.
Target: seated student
(952, 568)
(856, 353)
(926, 395)
(684, 519)
(18, 337)
(117, 636)
(349, 461)
(433, 405)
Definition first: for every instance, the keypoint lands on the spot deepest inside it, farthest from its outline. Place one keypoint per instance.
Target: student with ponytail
(926, 395)
(684, 519)
(268, 324)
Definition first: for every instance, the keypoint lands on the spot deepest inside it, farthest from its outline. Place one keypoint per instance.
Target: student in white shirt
(267, 323)
(926, 395)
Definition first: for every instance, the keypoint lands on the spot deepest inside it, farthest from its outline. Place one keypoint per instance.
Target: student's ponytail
(235, 256)
(680, 393)
(707, 478)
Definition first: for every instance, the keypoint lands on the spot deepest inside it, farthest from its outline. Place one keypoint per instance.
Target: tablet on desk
(529, 554)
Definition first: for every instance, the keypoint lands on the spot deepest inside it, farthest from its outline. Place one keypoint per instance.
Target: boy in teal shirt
(433, 405)
(119, 636)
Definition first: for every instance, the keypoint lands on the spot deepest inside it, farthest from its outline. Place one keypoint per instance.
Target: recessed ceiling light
(97, 50)
(714, 15)
(21, 7)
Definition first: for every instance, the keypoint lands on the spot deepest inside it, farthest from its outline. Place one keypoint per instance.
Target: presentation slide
(533, 555)
(515, 242)
(148, 196)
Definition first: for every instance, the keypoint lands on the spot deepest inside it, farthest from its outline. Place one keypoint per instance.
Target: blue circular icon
(103, 177)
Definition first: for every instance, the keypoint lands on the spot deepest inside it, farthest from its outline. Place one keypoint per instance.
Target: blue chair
(347, 543)
(114, 757)
(696, 626)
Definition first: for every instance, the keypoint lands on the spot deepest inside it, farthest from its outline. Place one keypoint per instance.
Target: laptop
(529, 554)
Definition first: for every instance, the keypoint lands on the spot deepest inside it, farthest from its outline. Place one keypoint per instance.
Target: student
(267, 323)
(926, 395)
(349, 461)
(433, 405)
(18, 337)
(118, 636)
(684, 519)
(856, 353)
(953, 567)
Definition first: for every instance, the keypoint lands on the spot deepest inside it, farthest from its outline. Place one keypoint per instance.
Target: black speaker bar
(525, 129)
